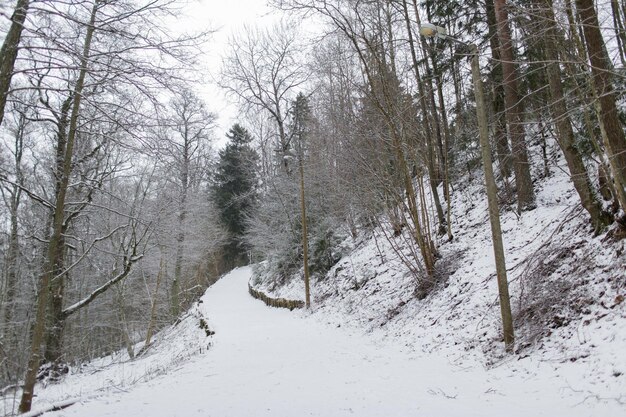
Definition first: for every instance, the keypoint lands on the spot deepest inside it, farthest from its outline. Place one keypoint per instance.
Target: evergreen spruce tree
(234, 192)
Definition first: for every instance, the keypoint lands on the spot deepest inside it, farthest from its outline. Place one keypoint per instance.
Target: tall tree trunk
(123, 323)
(12, 254)
(151, 323)
(502, 144)
(56, 320)
(620, 33)
(445, 150)
(584, 90)
(421, 238)
(397, 145)
(601, 77)
(580, 177)
(514, 112)
(426, 111)
(182, 217)
(12, 259)
(8, 53)
(57, 226)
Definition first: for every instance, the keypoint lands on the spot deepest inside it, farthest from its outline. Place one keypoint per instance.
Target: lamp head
(429, 30)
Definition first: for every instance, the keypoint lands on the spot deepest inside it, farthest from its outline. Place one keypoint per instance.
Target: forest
(121, 204)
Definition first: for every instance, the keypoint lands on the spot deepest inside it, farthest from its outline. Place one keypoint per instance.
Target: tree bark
(514, 112)
(123, 324)
(56, 236)
(54, 332)
(565, 133)
(601, 77)
(426, 89)
(182, 216)
(8, 53)
(12, 254)
(620, 33)
(502, 143)
(56, 322)
(151, 323)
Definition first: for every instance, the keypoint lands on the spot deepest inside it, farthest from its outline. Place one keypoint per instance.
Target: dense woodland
(118, 209)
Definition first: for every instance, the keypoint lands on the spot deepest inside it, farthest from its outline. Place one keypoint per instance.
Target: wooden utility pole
(431, 30)
(305, 237)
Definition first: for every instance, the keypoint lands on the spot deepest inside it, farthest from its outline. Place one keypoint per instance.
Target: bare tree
(360, 26)
(184, 146)
(95, 100)
(561, 116)
(54, 246)
(263, 70)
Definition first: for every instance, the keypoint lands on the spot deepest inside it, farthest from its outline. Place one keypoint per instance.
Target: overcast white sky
(226, 17)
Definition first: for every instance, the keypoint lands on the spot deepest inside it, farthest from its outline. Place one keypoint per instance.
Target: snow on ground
(370, 347)
(169, 349)
(273, 362)
(565, 285)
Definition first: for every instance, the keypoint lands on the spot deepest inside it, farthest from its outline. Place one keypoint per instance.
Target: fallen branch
(54, 407)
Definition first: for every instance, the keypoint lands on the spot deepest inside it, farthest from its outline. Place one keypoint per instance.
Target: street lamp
(429, 30)
(288, 154)
(432, 31)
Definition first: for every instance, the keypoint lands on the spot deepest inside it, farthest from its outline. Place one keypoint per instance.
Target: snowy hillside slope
(567, 290)
(171, 347)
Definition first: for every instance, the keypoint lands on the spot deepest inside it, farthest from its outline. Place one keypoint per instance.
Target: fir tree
(234, 191)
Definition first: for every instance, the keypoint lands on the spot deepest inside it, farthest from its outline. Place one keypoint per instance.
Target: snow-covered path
(272, 362)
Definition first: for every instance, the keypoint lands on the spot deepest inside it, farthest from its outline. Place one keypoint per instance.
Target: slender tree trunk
(601, 77)
(397, 144)
(8, 329)
(182, 216)
(422, 241)
(152, 321)
(389, 30)
(514, 112)
(57, 226)
(175, 289)
(8, 53)
(583, 90)
(436, 170)
(620, 34)
(12, 254)
(502, 144)
(426, 110)
(123, 324)
(565, 133)
(12, 258)
(56, 322)
(446, 149)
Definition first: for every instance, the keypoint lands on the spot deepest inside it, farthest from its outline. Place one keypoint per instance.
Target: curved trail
(271, 362)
